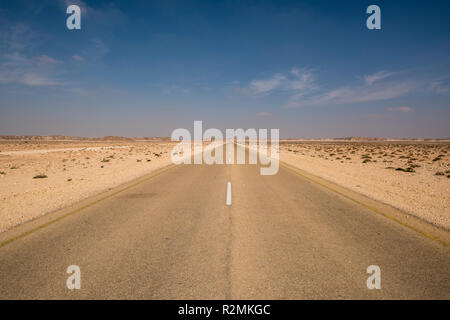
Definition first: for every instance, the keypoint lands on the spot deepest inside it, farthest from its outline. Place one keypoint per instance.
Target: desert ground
(41, 175)
(37, 177)
(413, 176)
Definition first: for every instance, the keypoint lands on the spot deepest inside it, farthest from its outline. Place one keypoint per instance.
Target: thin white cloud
(19, 66)
(373, 89)
(304, 81)
(266, 85)
(263, 114)
(296, 81)
(44, 59)
(404, 109)
(372, 78)
(32, 79)
(439, 87)
(96, 50)
(36, 71)
(348, 95)
(15, 59)
(175, 90)
(78, 58)
(17, 37)
(303, 89)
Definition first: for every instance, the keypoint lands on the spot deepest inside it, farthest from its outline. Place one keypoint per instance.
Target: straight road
(174, 237)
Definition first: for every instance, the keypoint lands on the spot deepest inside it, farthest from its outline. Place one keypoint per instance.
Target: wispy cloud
(372, 78)
(96, 50)
(175, 90)
(16, 36)
(296, 81)
(31, 71)
(404, 109)
(357, 94)
(303, 89)
(33, 79)
(374, 88)
(439, 87)
(77, 58)
(19, 64)
(263, 114)
(44, 59)
(23, 61)
(266, 85)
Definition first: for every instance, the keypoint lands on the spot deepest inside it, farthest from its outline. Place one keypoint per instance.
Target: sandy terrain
(414, 177)
(37, 177)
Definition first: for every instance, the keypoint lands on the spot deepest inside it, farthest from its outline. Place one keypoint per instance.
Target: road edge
(423, 227)
(22, 230)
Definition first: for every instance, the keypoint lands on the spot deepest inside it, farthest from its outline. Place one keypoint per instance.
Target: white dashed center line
(229, 193)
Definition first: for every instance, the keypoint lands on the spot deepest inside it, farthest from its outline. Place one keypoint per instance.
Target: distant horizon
(355, 138)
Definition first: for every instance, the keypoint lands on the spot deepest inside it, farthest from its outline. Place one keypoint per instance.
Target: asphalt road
(174, 237)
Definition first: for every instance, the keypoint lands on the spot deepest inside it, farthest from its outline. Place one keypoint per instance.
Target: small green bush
(409, 169)
(40, 176)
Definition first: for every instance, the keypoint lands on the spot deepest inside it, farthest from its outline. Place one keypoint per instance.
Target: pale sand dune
(421, 193)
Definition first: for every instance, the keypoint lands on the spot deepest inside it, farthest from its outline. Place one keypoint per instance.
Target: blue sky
(144, 68)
